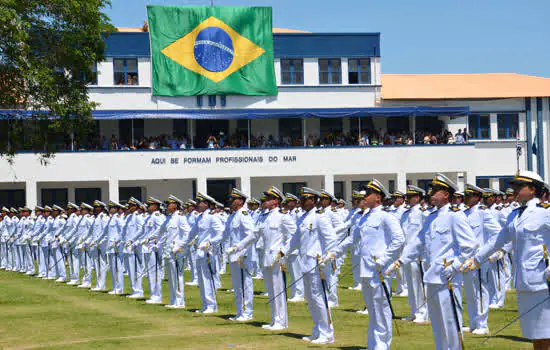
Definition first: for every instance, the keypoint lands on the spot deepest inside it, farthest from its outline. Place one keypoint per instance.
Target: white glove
(231, 250)
(448, 272)
(547, 274)
(204, 245)
(390, 270)
(469, 265)
(496, 256)
(379, 265)
(329, 256)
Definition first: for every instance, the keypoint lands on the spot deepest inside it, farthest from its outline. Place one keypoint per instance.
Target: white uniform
(527, 229)
(411, 222)
(496, 275)
(314, 237)
(68, 232)
(382, 237)
(45, 249)
(207, 231)
(152, 256)
(240, 225)
(486, 229)
(175, 229)
(192, 251)
(295, 266)
(57, 256)
(132, 229)
(331, 273)
(114, 252)
(272, 227)
(446, 235)
(98, 247)
(82, 233)
(3, 244)
(401, 274)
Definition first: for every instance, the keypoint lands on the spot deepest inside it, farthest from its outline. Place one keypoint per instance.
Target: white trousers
(175, 281)
(239, 278)
(100, 266)
(478, 307)
(87, 265)
(135, 271)
(207, 283)
(117, 272)
(153, 266)
(273, 280)
(401, 278)
(417, 293)
(355, 268)
(379, 334)
(331, 274)
(57, 263)
(192, 258)
(295, 271)
(315, 294)
(497, 283)
(440, 309)
(74, 264)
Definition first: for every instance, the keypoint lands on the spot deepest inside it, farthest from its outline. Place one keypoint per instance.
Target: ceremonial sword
(388, 297)
(453, 301)
(325, 297)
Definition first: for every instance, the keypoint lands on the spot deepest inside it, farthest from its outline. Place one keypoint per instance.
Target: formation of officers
(434, 244)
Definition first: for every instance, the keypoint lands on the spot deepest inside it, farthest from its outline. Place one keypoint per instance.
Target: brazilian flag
(211, 51)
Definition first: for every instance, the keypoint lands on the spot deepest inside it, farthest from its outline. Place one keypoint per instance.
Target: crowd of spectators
(364, 139)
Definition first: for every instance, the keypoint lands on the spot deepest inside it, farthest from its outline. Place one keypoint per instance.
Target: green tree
(47, 50)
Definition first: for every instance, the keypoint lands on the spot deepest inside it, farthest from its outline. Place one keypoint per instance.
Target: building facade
(332, 95)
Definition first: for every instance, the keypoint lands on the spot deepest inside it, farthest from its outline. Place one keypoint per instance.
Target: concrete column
(329, 183)
(113, 189)
(246, 186)
(201, 184)
(345, 70)
(349, 192)
(494, 183)
(493, 126)
(31, 197)
(460, 181)
(401, 183)
(71, 193)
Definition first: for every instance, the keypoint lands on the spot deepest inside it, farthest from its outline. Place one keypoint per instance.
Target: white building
(327, 83)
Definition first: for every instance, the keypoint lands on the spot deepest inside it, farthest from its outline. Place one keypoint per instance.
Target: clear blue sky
(418, 36)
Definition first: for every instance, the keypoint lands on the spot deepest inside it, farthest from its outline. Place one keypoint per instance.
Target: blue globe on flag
(214, 49)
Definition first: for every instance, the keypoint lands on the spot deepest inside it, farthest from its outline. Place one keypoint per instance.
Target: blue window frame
(507, 125)
(479, 126)
(212, 100)
(126, 71)
(92, 78)
(223, 100)
(359, 71)
(424, 184)
(199, 104)
(292, 71)
(330, 71)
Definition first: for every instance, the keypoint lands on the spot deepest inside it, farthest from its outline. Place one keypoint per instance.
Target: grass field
(35, 313)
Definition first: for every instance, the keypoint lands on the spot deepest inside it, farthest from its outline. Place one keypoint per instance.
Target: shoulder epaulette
(498, 208)
(386, 209)
(483, 207)
(245, 212)
(543, 205)
(407, 206)
(157, 214)
(283, 211)
(297, 210)
(320, 211)
(212, 212)
(455, 209)
(334, 210)
(422, 209)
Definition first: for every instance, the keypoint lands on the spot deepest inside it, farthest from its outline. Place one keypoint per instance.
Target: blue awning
(264, 113)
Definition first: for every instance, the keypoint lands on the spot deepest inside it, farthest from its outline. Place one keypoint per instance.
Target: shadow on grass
(514, 338)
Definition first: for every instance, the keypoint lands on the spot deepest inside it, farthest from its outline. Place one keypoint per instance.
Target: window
(479, 126)
(92, 78)
(391, 186)
(330, 71)
(358, 185)
(180, 127)
(292, 71)
(12, 198)
(359, 71)
(293, 187)
(125, 193)
(424, 184)
(223, 100)
(483, 182)
(331, 127)
(130, 131)
(212, 101)
(87, 195)
(55, 196)
(507, 126)
(290, 127)
(126, 71)
(339, 189)
(504, 183)
(199, 101)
